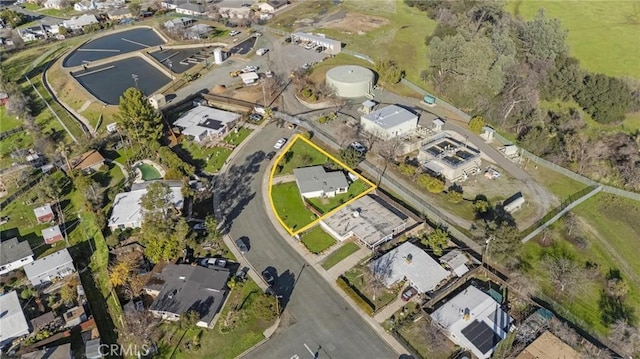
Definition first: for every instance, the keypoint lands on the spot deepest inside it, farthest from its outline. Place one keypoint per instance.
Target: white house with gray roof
(202, 122)
(409, 262)
(127, 212)
(391, 121)
(316, 182)
(191, 9)
(50, 268)
(13, 323)
(14, 255)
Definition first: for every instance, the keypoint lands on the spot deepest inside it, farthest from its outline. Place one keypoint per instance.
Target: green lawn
(289, 205)
(64, 13)
(235, 138)
(30, 6)
(340, 254)
(609, 224)
(602, 35)
(559, 184)
(214, 344)
(209, 159)
(326, 205)
(303, 155)
(317, 240)
(384, 296)
(8, 122)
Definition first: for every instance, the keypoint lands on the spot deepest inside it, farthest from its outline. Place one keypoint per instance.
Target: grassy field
(317, 240)
(215, 344)
(602, 35)
(326, 205)
(609, 224)
(303, 155)
(340, 254)
(289, 205)
(559, 184)
(235, 138)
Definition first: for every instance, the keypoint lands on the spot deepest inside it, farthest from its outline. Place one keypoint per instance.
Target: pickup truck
(235, 73)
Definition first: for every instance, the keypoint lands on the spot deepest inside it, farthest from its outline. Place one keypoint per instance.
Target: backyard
(210, 159)
(316, 240)
(340, 254)
(289, 206)
(424, 338)
(326, 205)
(300, 154)
(608, 225)
(223, 341)
(235, 138)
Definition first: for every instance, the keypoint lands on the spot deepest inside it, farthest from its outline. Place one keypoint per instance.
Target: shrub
(432, 184)
(323, 119)
(306, 92)
(362, 302)
(476, 124)
(407, 169)
(454, 197)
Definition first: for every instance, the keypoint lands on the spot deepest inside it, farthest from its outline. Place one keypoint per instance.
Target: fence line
(52, 111)
(447, 106)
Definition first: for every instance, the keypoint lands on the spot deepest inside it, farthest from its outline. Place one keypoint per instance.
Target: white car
(262, 51)
(268, 74)
(234, 33)
(249, 69)
(280, 143)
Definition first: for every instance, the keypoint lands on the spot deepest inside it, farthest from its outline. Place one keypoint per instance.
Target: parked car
(241, 275)
(319, 49)
(409, 293)
(268, 277)
(257, 34)
(268, 74)
(242, 247)
(234, 33)
(280, 143)
(359, 147)
(214, 262)
(261, 51)
(270, 155)
(306, 66)
(309, 46)
(249, 69)
(255, 117)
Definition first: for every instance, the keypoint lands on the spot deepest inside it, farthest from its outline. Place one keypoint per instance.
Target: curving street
(316, 321)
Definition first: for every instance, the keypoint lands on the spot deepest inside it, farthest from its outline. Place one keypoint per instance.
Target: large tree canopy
(138, 118)
(542, 39)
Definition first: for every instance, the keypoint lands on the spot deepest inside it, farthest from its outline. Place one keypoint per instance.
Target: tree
(437, 241)
(138, 118)
(617, 288)
(188, 320)
(12, 18)
(389, 71)
(432, 184)
(350, 157)
(27, 293)
(606, 99)
(120, 273)
(626, 338)
(477, 123)
(156, 200)
(69, 293)
(542, 39)
(211, 225)
(454, 196)
(135, 8)
(410, 170)
(18, 105)
(565, 274)
(503, 243)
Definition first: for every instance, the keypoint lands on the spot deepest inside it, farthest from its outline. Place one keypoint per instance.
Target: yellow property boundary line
(297, 137)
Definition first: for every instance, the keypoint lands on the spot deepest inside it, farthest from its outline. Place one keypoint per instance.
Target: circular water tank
(350, 81)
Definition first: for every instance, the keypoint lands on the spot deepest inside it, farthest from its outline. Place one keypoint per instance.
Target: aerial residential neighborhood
(319, 179)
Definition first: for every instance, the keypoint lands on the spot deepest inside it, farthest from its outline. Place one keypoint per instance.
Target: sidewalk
(313, 262)
(390, 309)
(347, 263)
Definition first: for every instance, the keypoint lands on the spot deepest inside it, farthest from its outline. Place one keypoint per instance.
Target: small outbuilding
(52, 234)
(333, 47)
(389, 122)
(44, 213)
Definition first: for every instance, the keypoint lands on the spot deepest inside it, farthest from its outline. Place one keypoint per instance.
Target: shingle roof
(87, 160)
(11, 250)
(315, 178)
(192, 7)
(127, 208)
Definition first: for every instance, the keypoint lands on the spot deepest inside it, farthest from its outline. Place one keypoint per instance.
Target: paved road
(314, 316)
(34, 15)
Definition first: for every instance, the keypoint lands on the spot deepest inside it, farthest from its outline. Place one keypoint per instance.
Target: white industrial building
(391, 121)
(474, 320)
(409, 262)
(202, 122)
(333, 47)
(13, 323)
(127, 211)
(369, 219)
(449, 157)
(350, 81)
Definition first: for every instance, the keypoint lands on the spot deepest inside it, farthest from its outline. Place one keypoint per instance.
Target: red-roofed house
(52, 234)
(44, 214)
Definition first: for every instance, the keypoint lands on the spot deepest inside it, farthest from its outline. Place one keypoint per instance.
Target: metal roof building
(407, 261)
(391, 121)
(333, 46)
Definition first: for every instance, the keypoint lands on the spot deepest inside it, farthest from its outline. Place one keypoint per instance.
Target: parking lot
(180, 60)
(112, 45)
(295, 56)
(120, 75)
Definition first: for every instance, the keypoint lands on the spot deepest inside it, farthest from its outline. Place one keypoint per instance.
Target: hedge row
(355, 294)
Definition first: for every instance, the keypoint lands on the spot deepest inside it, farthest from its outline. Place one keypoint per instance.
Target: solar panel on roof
(481, 336)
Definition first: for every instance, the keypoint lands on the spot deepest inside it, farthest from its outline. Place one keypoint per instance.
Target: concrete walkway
(283, 179)
(391, 308)
(348, 263)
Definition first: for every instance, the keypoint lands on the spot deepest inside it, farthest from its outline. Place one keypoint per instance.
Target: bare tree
(566, 275)
(378, 273)
(625, 337)
(564, 332)
(570, 223)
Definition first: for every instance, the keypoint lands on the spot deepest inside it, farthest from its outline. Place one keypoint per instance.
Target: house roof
(12, 321)
(409, 261)
(60, 352)
(391, 116)
(80, 21)
(457, 261)
(127, 208)
(73, 313)
(43, 211)
(189, 287)
(376, 219)
(179, 21)
(119, 11)
(192, 122)
(467, 317)
(249, 77)
(12, 250)
(316, 178)
(87, 159)
(51, 233)
(38, 323)
(548, 346)
(92, 349)
(48, 263)
(191, 7)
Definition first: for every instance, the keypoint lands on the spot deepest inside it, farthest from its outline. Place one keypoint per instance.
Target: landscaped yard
(602, 35)
(317, 240)
(325, 205)
(210, 159)
(8, 122)
(214, 343)
(340, 254)
(302, 155)
(609, 225)
(383, 295)
(235, 138)
(415, 333)
(289, 206)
